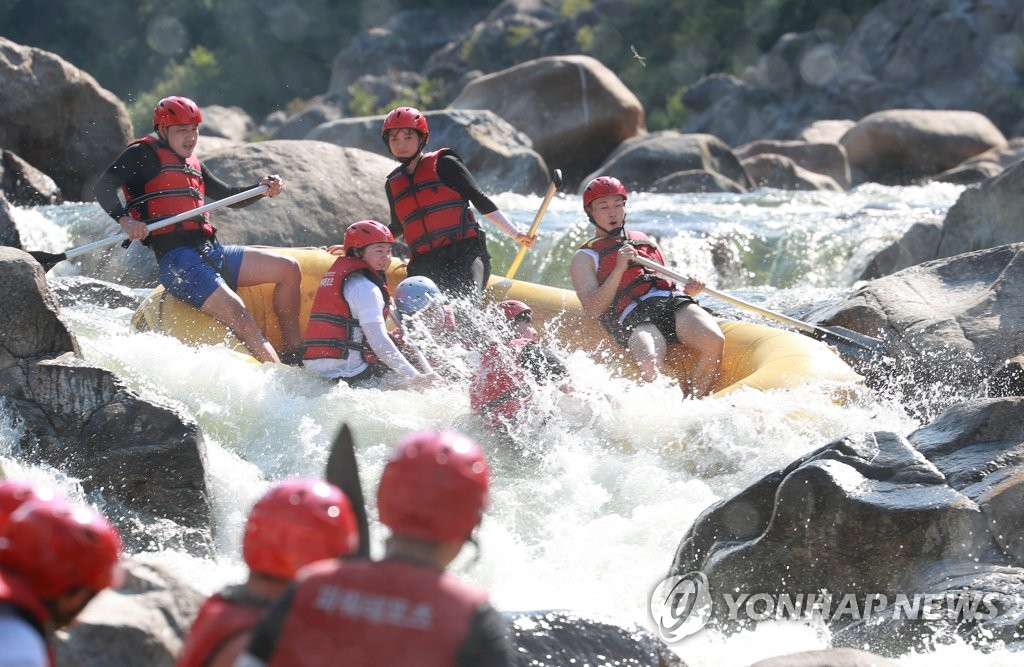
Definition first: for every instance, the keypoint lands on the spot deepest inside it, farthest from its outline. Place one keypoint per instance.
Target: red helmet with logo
(512, 309)
(603, 186)
(13, 493)
(434, 487)
(176, 111)
(405, 117)
(57, 547)
(363, 233)
(296, 523)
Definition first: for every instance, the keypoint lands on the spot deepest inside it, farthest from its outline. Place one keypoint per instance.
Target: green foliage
(361, 102)
(255, 55)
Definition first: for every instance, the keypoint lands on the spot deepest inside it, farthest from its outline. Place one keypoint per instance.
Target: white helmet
(416, 293)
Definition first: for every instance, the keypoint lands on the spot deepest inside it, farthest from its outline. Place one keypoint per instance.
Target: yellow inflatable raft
(756, 355)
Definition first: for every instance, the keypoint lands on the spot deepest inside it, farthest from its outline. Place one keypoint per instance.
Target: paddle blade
(859, 350)
(343, 472)
(48, 259)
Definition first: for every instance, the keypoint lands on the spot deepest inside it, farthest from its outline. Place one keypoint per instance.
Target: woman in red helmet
(159, 176)
(643, 311)
(405, 609)
(55, 556)
(430, 194)
(295, 523)
(347, 337)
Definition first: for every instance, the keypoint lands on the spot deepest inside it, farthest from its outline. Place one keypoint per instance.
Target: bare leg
(647, 346)
(227, 308)
(264, 266)
(698, 331)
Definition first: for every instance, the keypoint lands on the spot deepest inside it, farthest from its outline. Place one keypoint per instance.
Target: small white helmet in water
(416, 293)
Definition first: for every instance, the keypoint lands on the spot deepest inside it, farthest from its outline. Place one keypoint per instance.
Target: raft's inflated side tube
(756, 355)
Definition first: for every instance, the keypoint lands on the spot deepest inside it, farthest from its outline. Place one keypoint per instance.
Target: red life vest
(432, 214)
(636, 281)
(222, 617)
(177, 188)
(331, 330)
(15, 592)
(499, 390)
(363, 614)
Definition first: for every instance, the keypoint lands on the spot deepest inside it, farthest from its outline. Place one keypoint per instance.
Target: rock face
(326, 188)
(61, 121)
(140, 623)
(24, 185)
(147, 460)
(930, 54)
(902, 146)
(881, 514)
(577, 113)
(948, 324)
(500, 157)
(641, 161)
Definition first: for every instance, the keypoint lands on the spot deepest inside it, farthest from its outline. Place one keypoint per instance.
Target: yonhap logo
(681, 605)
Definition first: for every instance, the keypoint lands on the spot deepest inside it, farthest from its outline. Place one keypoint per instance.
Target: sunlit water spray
(591, 499)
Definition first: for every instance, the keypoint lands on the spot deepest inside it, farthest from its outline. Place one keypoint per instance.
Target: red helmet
(176, 111)
(434, 487)
(296, 523)
(57, 547)
(512, 309)
(405, 117)
(363, 233)
(15, 492)
(603, 186)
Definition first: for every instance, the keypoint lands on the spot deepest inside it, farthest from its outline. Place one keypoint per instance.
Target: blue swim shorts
(193, 273)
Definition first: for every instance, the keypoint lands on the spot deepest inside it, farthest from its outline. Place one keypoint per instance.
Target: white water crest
(590, 503)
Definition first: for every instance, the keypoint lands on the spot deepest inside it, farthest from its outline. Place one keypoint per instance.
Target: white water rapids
(589, 517)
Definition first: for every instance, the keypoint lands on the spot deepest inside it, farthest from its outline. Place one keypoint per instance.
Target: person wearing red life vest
(159, 176)
(295, 523)
(427, 324)
(502, 386)
(406, 609)
(643, 311)
(430, 194)
(55, 556)
(347, 338)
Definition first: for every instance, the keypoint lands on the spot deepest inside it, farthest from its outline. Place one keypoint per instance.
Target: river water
(587, 512)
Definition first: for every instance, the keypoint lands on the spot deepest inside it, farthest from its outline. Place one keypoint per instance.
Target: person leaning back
(159, 176)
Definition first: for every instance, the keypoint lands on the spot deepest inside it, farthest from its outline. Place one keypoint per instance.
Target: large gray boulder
(500, 157)
(146, 459)
(947, 324)
(61, 120)
(577, 111)
(873, 516)
(903, 146)
(643, 160)
(326, 188)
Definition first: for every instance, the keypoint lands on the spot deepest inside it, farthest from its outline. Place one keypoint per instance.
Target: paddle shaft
(556, 182)
(173, 220)
(815, 331)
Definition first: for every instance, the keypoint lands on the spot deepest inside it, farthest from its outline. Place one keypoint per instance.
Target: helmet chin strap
(619, 231)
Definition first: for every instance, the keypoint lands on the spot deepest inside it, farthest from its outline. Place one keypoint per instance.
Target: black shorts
(659, 311)
(451, 266)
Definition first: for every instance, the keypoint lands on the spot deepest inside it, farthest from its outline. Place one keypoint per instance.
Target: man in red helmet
(55, 556)
(159, 176)
(430, 194)
(512, 368)
(295, 523)
(643, 311)
(405, 609)
(347, 338)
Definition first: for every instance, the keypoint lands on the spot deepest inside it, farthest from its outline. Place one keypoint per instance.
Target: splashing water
(593, 496)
